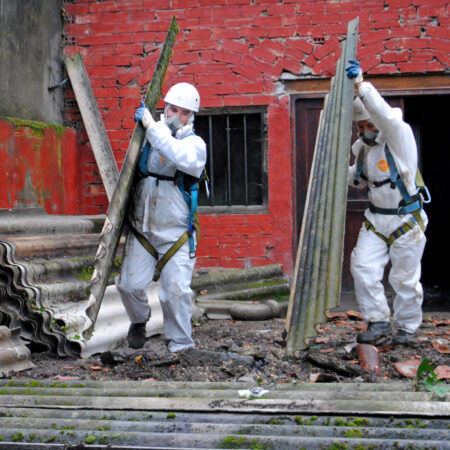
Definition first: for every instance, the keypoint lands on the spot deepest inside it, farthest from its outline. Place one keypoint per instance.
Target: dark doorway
(428, 115)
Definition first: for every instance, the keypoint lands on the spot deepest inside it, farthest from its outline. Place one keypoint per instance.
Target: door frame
(387, 86)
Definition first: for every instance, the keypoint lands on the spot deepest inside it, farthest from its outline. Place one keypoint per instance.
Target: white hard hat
(359, 110)
(183, 95)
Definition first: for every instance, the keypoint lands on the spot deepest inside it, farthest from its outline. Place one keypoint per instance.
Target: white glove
(147, 119)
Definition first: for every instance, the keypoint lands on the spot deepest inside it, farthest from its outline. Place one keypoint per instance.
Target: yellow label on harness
(383, 165)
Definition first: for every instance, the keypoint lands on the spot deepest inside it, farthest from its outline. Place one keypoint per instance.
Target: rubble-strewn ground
(256, 351)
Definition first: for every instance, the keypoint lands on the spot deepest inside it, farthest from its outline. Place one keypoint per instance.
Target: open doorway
(428, 116)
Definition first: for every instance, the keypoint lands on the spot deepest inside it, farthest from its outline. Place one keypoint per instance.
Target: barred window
(236, 143)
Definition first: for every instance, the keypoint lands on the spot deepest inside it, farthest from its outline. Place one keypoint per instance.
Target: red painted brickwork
(40, 167)
(234, 51)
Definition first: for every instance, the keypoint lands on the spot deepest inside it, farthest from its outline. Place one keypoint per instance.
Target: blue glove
(354, 71)
(139, 114)
(143, 115)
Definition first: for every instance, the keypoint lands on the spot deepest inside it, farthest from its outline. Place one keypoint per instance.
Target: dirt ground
(255, 351)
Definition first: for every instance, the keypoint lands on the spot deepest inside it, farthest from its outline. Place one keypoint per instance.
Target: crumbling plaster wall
(30, 59)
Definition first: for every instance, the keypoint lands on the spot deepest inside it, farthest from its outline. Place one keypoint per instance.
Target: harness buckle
(427, 197)
(192, 255)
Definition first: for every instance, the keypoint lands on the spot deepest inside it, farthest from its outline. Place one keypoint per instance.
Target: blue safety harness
(188, 186)
(190, 195)
(410, 204)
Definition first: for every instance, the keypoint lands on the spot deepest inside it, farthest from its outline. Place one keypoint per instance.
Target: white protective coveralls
(161, 215)
(371, 253)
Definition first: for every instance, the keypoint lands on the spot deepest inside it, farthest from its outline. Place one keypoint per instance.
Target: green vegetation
(266, 283)
(350, 422)
(19, 437)
(90, 439)
(171, 415)
(242, 442)
(338, 446)
(353, 433)
(275, 421)
(38, 128)
(427, 378)
(85, 273)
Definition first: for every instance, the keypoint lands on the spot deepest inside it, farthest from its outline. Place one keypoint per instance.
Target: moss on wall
(38, 128)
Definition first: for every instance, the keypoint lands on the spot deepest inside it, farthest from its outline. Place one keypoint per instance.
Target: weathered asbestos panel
(44, 280)
(317, 276)
(45, 266)
(14, 356)
(93, 122)
(216, 415)
(41, 166)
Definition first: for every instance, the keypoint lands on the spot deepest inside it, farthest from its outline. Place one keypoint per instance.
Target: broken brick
(354, 315)
(335, 315)
(441, 345)
(369, 358)
(442, 372)
(407, 368)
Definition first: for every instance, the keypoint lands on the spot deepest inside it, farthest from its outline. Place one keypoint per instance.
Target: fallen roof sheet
(45, 267)
(221, 415)
(46, 263)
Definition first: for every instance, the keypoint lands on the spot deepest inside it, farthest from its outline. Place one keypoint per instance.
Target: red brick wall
(40, 167)
(234, 51)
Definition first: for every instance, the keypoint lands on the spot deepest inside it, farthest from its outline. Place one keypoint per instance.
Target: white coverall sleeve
(356, 148)
(389, 121)
(188, 154)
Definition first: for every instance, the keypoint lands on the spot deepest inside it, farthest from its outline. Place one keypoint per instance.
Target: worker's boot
(136, 335)
(404, 337)
(376, 333)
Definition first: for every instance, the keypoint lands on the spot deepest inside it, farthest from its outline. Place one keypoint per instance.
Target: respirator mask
(369, 137)
(174, 124)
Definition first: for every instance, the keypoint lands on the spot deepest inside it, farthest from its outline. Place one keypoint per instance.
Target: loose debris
(442, 345)
(407, 368)
(254, 351)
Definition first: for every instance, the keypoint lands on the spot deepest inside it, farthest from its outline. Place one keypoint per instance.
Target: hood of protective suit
(359, 110)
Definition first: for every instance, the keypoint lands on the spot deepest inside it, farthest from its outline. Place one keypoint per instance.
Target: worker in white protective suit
(160, 216)
(394, 224)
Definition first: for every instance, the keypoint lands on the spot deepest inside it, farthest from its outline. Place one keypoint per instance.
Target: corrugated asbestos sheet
(45, 269)
(169, 415)
(46, 262)
(317, 275)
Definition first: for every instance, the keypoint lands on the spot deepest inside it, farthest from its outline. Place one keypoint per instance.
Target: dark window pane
(235, 144)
